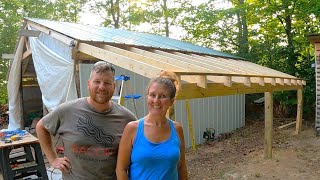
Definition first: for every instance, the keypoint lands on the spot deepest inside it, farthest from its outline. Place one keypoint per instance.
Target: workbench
(27, 162)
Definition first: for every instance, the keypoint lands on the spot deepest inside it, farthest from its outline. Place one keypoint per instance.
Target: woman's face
(158, 99)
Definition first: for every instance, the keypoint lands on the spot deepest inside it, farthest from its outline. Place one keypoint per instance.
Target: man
(90, 129)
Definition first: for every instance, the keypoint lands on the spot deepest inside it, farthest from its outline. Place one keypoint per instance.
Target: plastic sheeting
(54, 69)
(54, 74)
(14, 79)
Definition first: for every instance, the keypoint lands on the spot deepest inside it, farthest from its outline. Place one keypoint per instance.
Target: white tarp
(14, 79)
(54, 75)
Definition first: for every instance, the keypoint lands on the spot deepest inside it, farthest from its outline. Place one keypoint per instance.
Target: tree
(12, 13)
(272, 33)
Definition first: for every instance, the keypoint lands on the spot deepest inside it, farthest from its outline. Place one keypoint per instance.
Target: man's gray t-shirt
(90, 138)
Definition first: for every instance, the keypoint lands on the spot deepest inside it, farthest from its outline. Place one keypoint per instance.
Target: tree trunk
(165, 12)
(243, 30)
(115, 13)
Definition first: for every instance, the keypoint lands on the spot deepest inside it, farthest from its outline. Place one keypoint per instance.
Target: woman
(153, 147)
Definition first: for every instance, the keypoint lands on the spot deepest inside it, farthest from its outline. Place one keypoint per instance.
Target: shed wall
(224, 113)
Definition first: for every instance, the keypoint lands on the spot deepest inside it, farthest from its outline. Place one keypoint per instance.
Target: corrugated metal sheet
(119, 36)
(224, 114)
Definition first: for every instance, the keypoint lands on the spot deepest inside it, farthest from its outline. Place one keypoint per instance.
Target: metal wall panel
(224, 113)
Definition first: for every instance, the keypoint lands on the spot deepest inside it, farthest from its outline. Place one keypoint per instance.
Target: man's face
(101, 86)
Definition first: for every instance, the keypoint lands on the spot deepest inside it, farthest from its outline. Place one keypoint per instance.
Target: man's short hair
(102, 66)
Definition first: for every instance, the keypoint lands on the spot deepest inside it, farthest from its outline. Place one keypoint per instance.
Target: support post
(268, 108)
(190, 125)
(77, 76)
(299, 111)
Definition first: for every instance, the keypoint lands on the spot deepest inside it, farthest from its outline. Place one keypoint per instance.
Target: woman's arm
(125, 148)
(182, 166)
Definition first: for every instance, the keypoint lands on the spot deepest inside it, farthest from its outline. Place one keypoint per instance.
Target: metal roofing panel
(103, 34)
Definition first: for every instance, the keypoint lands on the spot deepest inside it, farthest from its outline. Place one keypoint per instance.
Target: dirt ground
(241, 157)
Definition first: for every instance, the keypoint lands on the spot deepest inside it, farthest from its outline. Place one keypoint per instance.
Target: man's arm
(45, 140)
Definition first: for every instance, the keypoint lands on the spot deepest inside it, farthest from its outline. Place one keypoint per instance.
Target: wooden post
(299, 111)
(77, 76)
(121, 97)
(190, 125)
(268, 108)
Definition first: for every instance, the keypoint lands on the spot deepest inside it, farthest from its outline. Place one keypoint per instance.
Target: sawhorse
(24, 165)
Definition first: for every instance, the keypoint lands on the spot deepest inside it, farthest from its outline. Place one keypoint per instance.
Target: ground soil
(241, 157)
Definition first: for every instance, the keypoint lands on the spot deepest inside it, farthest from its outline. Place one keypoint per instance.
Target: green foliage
(12, 13)
(277, 37)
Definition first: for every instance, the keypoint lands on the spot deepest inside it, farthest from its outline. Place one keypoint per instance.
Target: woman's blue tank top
(154, 160)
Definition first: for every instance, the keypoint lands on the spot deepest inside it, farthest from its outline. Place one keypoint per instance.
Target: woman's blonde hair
(170, 80)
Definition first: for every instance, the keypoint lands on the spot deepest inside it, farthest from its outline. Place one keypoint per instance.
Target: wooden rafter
(119, 60)
(189, 91)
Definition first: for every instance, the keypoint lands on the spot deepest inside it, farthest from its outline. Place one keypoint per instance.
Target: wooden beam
(288, 81)
(268, 104)
(261, 81)
(272, 81)
(63, 38)
(77, 76)
(192, 64)
(317, 49)
(25, 63)
(145, 59)
(235, 64)
(169, 64)
(189, 116)
(299, 111)
(286, 125)
(251, 68)
(121, 61)
(26, 54)
(200, 80)
(280, 80)
(227, 81)
(7, 56)
(207, 62)
(28, 33)
(315, 38)
(247, 81)
(80, 56)
(160, 58)
(190, 91)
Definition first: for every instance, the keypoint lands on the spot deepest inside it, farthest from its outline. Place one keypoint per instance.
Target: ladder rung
(122, 78)
(132, 96)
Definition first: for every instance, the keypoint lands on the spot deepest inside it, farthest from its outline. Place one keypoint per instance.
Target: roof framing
(209, 73)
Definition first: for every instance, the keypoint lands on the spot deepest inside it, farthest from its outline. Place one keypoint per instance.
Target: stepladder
(121, 95)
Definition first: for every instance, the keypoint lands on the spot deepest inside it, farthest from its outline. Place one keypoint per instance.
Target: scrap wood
(286, 125)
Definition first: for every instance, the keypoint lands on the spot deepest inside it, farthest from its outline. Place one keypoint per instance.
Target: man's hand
(63, 164)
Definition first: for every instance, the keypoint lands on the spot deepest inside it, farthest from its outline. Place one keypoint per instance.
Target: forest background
(272, 33)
